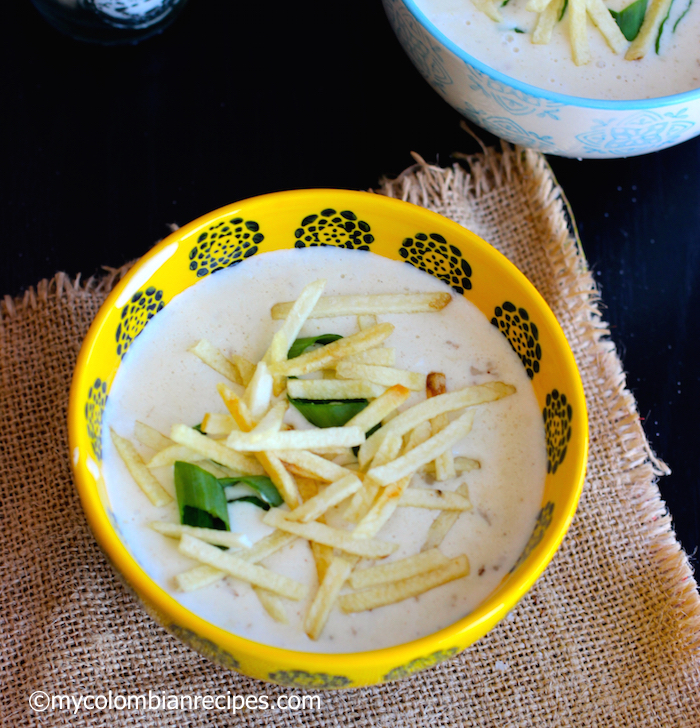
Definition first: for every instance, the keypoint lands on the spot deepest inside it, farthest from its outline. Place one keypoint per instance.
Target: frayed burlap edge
(60, 287)
(477, 175)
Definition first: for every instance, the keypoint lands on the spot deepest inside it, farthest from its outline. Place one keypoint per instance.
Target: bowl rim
(526, 88)
(483, 618)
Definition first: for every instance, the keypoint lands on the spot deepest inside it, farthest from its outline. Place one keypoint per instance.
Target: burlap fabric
(609, 636)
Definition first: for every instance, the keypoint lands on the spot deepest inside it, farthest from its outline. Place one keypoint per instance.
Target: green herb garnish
(682, 15)
(323, 413)
(200, 498)
(368, 434)
(329, 413)
(265, 493)
(563, 10)
(301, 345)
(661, 29)
(254, 500)
(630, 19)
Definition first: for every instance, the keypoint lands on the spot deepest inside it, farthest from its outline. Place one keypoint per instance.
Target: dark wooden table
(103, 147)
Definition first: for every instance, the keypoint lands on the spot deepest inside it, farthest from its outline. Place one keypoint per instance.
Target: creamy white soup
(507, 47)
(161, 383)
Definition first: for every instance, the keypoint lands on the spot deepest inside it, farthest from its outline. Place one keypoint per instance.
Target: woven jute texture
(609, 635)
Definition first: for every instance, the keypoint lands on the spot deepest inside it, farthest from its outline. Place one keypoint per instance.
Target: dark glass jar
(110, 22)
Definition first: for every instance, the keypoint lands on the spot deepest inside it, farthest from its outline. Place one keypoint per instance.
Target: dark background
(103, 147)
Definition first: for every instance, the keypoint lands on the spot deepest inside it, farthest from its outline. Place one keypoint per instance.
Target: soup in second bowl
(671, 66)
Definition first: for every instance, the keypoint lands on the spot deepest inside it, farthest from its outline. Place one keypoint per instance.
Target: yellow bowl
(396, 230)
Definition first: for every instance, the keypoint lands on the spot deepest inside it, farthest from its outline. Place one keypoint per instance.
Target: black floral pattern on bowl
(205, 647)
(142, 307)
(94, 409)
(330, 227)
(522, 333)
(557, 415)
(421, 663)
(309, 680)
(544, 520)
(224, 244)
(431, 253)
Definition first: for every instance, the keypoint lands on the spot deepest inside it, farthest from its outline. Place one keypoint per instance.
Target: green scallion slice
(368, 434)
(267, 494)
(657, 45)
(328, 413)
(200, 498)
(301, 345)
(254, 500)
(323, 413)
(682, 15)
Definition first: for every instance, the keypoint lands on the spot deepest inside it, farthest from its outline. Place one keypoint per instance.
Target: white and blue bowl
(553, 123)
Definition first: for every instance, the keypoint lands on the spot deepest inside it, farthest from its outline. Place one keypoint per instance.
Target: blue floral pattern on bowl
(422, 49)
(628, 135)
(515, 102)
(508, 129)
